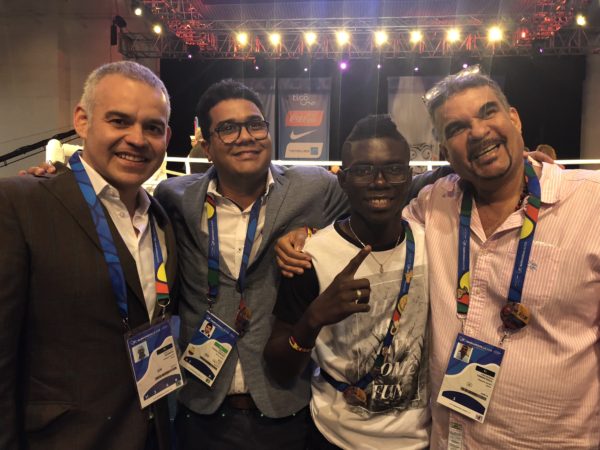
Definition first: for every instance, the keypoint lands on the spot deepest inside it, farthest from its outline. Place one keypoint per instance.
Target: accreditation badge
(209, 348)
(154, 360)
(470, 378)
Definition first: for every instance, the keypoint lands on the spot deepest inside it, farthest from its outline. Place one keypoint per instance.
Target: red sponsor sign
(304, 118)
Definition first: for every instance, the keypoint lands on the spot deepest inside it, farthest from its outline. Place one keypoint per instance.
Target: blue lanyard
(115, 270)
(213, 246)
(523, 250)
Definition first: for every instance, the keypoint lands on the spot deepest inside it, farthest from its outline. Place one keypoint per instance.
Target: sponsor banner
(405, 105)
(304, 109)
(265, 88)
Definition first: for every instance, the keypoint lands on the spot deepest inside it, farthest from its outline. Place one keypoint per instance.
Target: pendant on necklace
(380, 268)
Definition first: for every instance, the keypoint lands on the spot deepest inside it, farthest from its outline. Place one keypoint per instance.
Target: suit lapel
(65, 188)
(275, 201)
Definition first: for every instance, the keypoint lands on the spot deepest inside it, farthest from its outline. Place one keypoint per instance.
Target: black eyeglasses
(367, 173)
(229, 132)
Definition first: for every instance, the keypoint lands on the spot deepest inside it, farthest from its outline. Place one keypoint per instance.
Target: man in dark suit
(67, 380)
(244, 408)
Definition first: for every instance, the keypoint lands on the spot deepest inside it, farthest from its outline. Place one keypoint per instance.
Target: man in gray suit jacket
(245, 408)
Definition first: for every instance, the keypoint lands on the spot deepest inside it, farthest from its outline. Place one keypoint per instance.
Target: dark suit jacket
(66, 381)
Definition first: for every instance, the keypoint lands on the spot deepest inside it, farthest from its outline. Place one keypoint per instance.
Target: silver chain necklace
(371, 253)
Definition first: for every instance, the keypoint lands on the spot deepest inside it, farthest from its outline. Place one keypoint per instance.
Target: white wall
(47, 48)
(590, 118)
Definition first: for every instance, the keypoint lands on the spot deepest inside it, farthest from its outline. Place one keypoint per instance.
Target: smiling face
(126, 137)
(379, 202)
(481, 137)
(246, 157)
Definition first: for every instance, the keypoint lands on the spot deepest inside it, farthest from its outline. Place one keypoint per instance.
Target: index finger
(355, 262)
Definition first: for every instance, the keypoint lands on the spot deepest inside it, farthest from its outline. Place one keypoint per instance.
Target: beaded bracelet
(294, 344)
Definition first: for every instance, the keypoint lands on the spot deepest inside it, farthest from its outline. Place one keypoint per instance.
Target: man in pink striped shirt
(547, 390)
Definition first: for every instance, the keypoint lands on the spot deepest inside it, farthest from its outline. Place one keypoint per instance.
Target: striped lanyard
(115, 270)
(210, 206)
(514, 315)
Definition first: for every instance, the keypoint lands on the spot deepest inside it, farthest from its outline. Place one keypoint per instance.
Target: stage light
(416, 69)
(465, 65)
(379, 66)
(453, 35)
(189, 56)
(310, 38)
(416, 36)
(138, 11)
(275, 39)
(343, 65)
(495, 34)
(306, 69)
(581, 20)
(157, 28)
(523, 34)
(381, 37)
(342, 37)
(242, 39)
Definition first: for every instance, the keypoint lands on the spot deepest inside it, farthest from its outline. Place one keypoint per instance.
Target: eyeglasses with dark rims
(363, 174)
(229, 132)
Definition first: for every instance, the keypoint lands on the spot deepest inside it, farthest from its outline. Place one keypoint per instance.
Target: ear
(80, 121)
(168, 135)
(206, 149)
(514, 118)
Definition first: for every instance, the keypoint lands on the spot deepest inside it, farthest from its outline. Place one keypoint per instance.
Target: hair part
(218, 92)
(376, 126)
(128, 69)
(459, 82)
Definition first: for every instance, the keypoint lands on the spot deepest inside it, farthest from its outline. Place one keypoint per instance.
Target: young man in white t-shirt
(361, 311)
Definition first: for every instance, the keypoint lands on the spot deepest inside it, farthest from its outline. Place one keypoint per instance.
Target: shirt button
(121, 214)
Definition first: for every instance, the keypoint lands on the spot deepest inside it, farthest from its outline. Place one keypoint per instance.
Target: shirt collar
(212, 185)
(104, 189)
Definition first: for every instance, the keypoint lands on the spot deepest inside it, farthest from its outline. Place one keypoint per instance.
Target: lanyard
(115, 271)
(523, 250)
(394, 324)
(213, 256)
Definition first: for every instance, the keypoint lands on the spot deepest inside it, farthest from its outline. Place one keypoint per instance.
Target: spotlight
(242, 39)
(495, 34)
(342, 37)
(138, 11)
(310, 38)
(581, 20)
(416, 69)
(378, 66)
(343, 65)
(381, 37)
(306, 69)
(275, 39)
(157, 28)
(453, 35)
(416, 36)
(465, 65)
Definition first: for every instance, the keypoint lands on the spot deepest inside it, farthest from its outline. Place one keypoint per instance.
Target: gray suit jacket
(300, 196)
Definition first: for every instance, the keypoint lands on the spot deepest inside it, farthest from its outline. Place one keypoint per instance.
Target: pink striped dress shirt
(547, 395)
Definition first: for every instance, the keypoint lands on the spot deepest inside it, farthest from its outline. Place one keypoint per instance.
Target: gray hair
(128, 69)
(471, 77)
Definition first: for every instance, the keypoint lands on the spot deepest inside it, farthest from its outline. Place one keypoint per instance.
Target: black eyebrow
(248, 119)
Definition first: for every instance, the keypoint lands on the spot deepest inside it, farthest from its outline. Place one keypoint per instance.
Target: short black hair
(219, 91)
(375, 126)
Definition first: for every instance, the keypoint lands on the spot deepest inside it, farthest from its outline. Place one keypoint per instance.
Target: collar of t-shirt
(140, 244)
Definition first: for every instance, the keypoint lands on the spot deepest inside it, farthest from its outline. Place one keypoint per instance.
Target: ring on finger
(358, 295)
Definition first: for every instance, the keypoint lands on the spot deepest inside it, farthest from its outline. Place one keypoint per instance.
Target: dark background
(546, 90)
